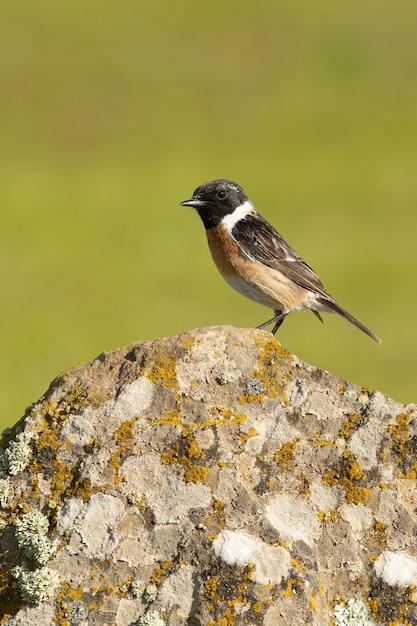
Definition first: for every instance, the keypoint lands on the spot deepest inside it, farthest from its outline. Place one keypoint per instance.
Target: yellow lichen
(217, 516)
(188, 342)
(328, 516)
(289, 591)
(221, 414)
(62, 477)
(49, 437)
(349, 475)
(185, 452)
(239, 418)
(229, 618)
(81, 487)
(401, 429)
(352, 423)
(324, 443)
(402, 445)
(285, 456)
(92, 445)
(377, 540)
(296, 563)
(12, 601)
(124, 437)
(272, 380)
(249, 398)
(195, 474)
(65, 479)
(162, 369)
(79, 395)
(373, 606)
(228, 595)
(164, 568)
(65, 593)
(35, 487)
(252, 432)
(210, 587)
(108, 589)
(386, 603)
(173, 418)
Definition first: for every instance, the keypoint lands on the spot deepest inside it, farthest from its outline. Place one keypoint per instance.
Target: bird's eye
(221, 194)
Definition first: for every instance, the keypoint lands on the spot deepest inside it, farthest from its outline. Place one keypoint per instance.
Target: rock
(209, 479)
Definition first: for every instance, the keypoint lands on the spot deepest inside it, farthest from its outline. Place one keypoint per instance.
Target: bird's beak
(193, 202)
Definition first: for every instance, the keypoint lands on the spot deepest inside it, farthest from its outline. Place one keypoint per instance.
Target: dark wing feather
(262, 243)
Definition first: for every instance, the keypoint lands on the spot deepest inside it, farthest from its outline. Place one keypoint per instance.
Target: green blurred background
(113, 112)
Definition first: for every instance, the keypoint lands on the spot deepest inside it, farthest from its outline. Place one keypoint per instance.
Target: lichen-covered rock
(210, 479)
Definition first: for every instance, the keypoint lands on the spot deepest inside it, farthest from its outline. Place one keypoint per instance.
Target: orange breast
(254, 280)
(225, 251)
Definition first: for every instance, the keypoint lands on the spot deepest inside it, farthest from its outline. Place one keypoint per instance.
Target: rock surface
(209, 479)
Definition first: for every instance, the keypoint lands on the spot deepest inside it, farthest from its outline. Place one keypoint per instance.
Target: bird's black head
(215, 199)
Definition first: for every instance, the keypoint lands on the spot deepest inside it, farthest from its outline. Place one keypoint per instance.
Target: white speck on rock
(396, 569)
(294, 519)
(358, 516)
(127, 613)
(68, 513)
(272, 563)
(96, 526)
(132, 400)
(176, 593)
(169, 497)
(32, 614)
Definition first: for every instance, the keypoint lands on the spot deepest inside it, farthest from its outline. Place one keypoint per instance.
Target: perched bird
(255, 259)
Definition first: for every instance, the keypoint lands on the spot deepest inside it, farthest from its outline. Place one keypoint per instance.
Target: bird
(255, 259)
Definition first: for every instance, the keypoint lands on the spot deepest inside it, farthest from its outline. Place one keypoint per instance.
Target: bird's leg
(278, 319)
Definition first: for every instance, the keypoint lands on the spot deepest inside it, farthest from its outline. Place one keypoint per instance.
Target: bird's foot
(277, 319)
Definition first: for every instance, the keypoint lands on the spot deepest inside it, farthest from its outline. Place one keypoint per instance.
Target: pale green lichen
(6, 492)
(17, 455)
(31, 535)
(225, 378)
(35, 586)
(352, 613)
(137, 588)
(150, 619)
(134, 497)
(254, 386)
(150, 594)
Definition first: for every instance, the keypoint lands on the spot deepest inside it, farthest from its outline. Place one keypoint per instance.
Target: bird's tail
(333, 306)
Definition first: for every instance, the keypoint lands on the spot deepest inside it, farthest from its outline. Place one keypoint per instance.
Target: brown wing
(262, 243)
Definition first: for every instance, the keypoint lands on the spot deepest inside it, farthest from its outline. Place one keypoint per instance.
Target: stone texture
(209, 479)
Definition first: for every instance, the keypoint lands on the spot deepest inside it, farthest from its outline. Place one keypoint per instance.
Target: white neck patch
(239, 213)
